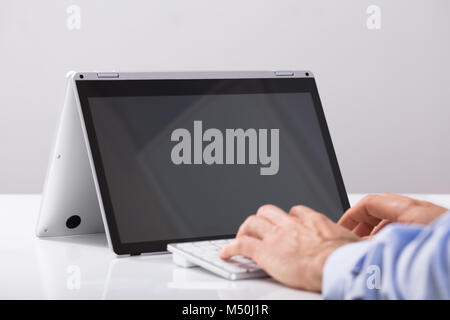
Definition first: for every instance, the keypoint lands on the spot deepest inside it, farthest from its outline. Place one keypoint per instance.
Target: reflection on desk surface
(83, 267)
(136, 278)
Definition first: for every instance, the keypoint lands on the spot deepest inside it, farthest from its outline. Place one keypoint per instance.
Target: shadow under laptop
(157, 277)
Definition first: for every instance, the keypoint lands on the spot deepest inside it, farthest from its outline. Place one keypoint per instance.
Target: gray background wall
(386, 92)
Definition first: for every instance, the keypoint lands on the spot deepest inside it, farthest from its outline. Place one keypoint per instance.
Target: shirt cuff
(340, 267)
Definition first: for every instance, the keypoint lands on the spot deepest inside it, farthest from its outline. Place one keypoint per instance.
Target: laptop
(177, 160)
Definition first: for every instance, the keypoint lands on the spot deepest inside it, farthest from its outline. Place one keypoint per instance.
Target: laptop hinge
(284, 73)
(107, 75)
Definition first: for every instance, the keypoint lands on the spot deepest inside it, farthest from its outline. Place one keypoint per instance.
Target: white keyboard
(206, 255)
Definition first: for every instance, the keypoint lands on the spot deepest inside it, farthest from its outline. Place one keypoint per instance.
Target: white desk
(83, 267)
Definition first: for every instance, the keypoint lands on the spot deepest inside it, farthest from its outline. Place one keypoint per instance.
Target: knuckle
(409, 203)
(250, 219)
(318, 217)
(291, 221)
(370, 199)
(296, 209)
(275, 228)
(244, 226)
(241, 230)
(264, 208)
(322, 217)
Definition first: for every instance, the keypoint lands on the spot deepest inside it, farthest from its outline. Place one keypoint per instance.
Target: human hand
(376, 211)
(293, 247)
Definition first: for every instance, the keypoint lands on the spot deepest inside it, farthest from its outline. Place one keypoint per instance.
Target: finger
(370, 210)
(274, 214)
(395, 196)
(404, 200)
(302, 211)
(255, 226)
(245, 246)
(363, 229)
(380, 226)
(348, 222)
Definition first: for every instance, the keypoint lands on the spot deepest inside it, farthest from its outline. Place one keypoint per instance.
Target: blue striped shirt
(401, 262)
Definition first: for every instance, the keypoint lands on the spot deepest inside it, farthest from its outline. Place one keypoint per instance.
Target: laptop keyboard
(206, 254)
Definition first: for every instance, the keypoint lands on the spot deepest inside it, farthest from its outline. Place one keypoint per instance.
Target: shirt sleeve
(401, 262)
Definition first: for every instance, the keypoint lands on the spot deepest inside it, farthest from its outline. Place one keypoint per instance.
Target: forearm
(402, 262)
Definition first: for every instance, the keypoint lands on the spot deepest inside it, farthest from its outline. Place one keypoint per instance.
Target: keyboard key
(234, 269)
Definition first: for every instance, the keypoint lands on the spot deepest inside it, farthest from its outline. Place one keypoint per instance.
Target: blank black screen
(154, 199)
